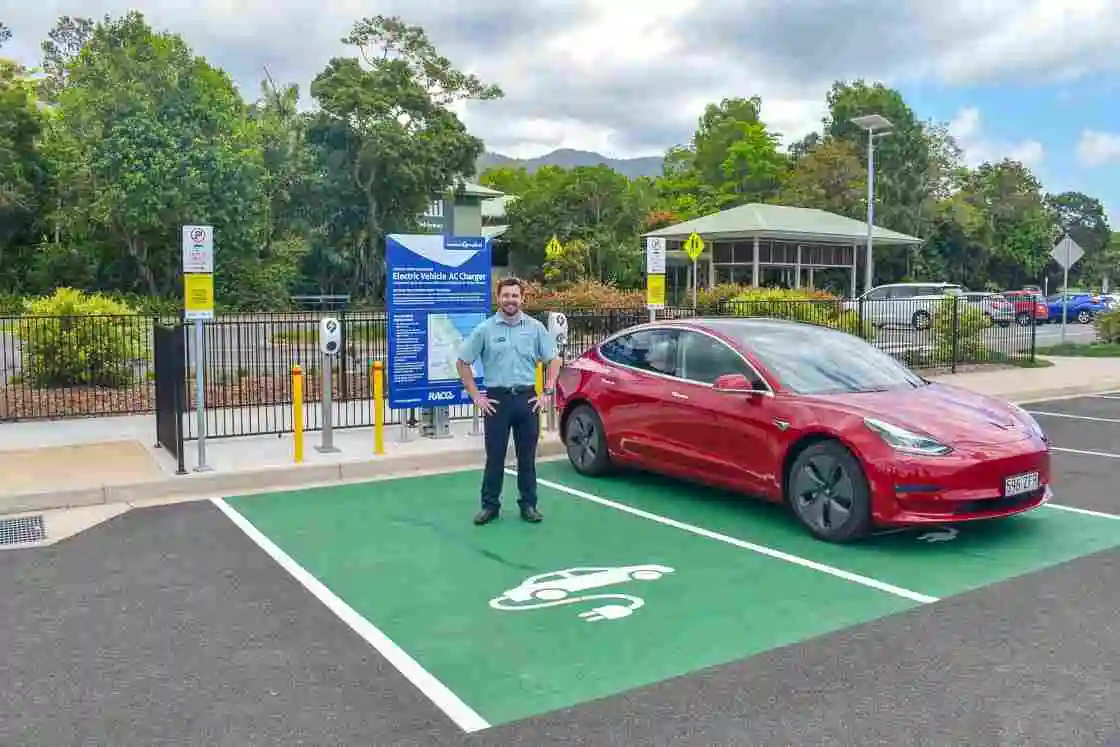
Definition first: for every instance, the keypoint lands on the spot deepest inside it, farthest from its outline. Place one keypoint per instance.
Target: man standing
(509, 343)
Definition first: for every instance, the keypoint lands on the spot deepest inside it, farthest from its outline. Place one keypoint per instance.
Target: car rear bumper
(960, 487)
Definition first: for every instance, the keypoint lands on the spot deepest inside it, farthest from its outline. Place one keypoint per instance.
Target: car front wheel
(829, 494)
(586, 442)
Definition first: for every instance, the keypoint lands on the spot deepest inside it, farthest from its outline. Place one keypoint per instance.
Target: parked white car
(906, 304)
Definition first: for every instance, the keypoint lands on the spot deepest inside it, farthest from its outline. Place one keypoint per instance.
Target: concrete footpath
(74, 472)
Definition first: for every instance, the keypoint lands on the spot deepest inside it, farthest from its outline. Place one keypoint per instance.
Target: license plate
(1019, 484)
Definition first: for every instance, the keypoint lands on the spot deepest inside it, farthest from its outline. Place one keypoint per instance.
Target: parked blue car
(1081, 308)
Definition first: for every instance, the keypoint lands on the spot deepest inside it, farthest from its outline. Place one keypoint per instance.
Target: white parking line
(448, 702)
(1073, 417)
(760, 549)
(1083, 452)
(1087, 512)
(1106, 396)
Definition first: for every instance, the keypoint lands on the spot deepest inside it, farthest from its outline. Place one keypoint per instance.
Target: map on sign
(446, 333)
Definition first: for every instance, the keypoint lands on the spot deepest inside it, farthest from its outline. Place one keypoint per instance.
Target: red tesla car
(848, 436)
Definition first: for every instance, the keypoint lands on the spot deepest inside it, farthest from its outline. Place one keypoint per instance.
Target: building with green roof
(760, 244)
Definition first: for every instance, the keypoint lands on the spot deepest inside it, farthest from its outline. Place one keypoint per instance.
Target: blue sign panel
(437, 291)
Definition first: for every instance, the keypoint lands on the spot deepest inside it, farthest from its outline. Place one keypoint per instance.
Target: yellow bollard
(297, 413)
(378, 408)
(540, 390)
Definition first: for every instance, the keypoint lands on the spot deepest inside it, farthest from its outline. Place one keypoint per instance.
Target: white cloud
(1098, 148)
(968, 130)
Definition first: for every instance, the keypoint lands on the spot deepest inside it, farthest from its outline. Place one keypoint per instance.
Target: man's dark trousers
(513, 412)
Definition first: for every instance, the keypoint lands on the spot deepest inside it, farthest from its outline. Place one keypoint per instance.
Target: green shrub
(970, 325)
(73, 339)
(586, 294)
(800, 305)
(1108, 327)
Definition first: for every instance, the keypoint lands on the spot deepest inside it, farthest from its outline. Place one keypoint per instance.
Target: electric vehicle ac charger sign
(581, 586)
(438, 291)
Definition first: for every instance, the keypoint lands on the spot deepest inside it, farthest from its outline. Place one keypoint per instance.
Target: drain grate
(21, 530)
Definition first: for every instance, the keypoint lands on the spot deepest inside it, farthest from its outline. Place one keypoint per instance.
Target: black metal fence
(81, 366)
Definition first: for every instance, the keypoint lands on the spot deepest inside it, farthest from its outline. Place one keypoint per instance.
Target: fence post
(956, 332)
(1034, 332)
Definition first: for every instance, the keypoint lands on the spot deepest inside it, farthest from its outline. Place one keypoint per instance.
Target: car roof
(736, 323)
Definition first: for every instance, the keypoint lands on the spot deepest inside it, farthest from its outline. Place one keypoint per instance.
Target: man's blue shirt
(509, 350)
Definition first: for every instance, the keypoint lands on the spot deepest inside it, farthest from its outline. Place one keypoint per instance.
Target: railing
(52, 367)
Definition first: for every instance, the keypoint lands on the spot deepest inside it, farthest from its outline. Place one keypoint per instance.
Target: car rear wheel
(586, 442)
(920, 320)
(1024, 319)
(829, 494)
(1084, 317)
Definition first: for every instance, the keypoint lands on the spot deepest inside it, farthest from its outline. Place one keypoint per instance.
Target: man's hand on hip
(483, 403)
(541, 402)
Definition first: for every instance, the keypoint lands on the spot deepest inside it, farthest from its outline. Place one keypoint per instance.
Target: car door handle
(678, 395)
(608, 381)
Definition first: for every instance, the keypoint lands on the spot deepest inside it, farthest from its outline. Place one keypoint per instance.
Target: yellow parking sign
(198, 296)
(655, 291)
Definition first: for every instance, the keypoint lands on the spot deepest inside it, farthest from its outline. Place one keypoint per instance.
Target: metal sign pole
(1065, 295)
(200, 392)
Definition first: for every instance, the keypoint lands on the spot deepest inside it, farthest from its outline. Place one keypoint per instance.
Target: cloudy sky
(1036, 80)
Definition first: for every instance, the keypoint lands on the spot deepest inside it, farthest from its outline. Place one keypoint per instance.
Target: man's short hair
(509, 281)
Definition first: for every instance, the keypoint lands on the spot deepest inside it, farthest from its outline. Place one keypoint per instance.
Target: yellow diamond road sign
(694, 246)
(552, 250)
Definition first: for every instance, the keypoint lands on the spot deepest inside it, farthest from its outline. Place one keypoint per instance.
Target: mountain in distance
(567, 158)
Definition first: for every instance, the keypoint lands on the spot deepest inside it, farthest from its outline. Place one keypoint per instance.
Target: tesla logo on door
(570, 586)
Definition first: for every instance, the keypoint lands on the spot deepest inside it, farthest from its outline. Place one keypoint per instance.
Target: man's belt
(504, 390)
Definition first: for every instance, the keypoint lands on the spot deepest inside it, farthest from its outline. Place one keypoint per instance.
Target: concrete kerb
(201, 486)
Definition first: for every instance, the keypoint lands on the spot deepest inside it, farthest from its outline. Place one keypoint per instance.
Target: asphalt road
(169, 626)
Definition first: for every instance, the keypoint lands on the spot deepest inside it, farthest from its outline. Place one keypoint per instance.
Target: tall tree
(150, 138)
(829, 176)
(5, 34)
(404, 144)
(901, 158)
(1083, 218)
(23, 182)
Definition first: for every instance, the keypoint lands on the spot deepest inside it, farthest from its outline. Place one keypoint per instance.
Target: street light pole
(873, 123)
(870, 207)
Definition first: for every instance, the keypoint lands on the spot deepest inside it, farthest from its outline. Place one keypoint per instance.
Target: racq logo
(440, 396)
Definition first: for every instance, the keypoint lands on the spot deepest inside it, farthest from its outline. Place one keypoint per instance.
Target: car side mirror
(734, 383)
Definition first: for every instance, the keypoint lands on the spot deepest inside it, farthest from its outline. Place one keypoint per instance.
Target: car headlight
(906, 441)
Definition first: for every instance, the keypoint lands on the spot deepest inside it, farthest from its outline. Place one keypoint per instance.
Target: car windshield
(817, 360)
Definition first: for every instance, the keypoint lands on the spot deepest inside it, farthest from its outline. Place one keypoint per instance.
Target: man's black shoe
(531, 514)
(485, 516)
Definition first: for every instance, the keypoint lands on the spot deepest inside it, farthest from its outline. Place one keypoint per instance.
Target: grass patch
(1092, 350)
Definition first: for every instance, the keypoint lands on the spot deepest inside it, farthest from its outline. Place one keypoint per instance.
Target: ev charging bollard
(378, 408)
(558, 328)
(297, 414)
(330, 341)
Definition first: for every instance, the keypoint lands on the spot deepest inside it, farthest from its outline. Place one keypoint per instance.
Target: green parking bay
(404, 555)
